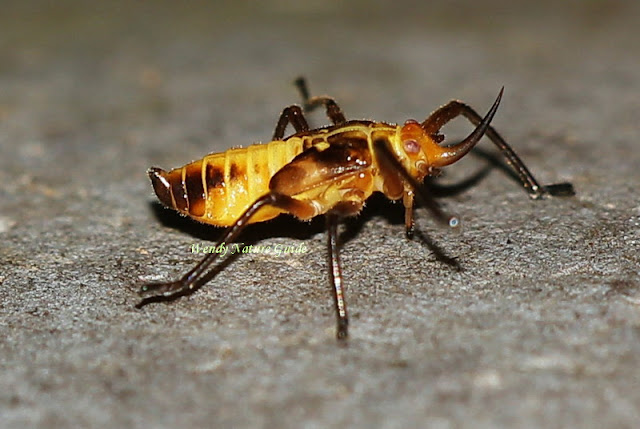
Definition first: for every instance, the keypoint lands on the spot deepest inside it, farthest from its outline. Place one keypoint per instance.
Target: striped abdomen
(218, 188)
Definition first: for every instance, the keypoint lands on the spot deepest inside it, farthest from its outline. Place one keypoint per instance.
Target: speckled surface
(541, 328)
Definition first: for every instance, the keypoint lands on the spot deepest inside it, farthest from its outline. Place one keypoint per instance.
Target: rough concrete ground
(541, 328)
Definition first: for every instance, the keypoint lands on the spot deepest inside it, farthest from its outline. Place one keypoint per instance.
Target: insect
(327, 171)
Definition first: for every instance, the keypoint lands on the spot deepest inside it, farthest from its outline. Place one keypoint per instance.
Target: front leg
(398, 180)
(409, 224)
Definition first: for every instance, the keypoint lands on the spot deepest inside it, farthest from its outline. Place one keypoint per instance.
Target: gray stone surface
(540, 329)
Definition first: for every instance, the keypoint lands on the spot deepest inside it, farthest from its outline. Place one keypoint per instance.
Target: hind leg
(193, 278)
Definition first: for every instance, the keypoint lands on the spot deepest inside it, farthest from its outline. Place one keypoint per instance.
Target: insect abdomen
(218, 188)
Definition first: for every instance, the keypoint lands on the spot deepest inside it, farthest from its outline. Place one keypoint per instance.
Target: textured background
(540, 329)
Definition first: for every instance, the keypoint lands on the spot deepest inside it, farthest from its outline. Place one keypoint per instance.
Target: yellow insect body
(218, 188)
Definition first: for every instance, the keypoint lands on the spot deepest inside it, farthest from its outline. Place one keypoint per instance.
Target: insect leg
(292, 114)
(407, 200)
(456, 108)
(391, 166)
(310, 103)
(335, 275)
(192, 279)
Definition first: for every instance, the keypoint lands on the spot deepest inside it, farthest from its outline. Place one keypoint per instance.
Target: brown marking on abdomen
(236, 172)
(214, 177)
(195, 188)
(177, 189)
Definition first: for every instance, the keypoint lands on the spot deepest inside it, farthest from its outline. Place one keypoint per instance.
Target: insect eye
(411, 146)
